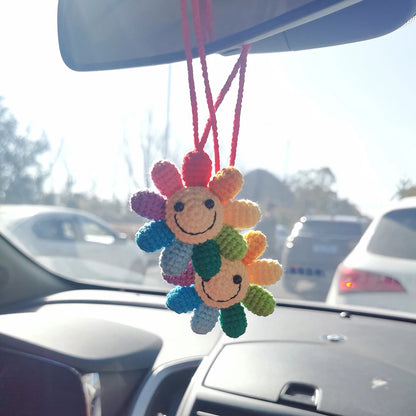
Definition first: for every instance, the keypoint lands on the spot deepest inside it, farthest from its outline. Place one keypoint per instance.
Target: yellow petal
(264, 272)
(256, 244)
(241, 214)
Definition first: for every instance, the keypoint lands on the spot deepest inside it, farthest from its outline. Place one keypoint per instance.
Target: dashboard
(98, 352)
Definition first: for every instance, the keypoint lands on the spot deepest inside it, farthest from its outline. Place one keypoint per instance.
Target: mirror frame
(68, 31)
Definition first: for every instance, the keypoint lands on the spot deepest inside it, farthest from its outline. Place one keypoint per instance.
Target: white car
(381, 270)
(66, 240)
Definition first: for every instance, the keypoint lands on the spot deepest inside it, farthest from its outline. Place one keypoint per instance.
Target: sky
(350, 108)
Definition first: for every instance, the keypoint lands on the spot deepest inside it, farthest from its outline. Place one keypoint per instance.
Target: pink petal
(166, 178)
(149, 205)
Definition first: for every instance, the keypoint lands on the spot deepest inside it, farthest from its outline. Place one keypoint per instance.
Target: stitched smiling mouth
(217, 300)
(200, 232)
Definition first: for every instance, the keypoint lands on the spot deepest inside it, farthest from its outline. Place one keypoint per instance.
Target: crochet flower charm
(194, 219)
(237, 283)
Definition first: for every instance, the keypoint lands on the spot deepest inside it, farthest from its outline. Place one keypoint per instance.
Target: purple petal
(186, 278)
(149, 205)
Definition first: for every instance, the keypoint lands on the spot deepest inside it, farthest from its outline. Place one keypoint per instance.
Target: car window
(54, 229)
(395, 235)
(92, 232)
(331, 228)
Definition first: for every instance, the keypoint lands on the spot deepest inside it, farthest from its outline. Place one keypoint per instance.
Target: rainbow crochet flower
(195, 218)
(238, 283)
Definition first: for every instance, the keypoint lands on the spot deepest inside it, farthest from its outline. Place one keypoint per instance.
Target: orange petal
(226, 183)
(256, 244)
(264, 272)
(241, 214)
(166, 178)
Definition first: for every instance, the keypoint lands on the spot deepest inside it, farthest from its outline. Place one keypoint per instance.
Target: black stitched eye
(237, 279)
(209, 203)
(179, 206)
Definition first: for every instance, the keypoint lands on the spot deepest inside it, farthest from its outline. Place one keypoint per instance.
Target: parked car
(381, 270)
(313, 250)
(73, 243)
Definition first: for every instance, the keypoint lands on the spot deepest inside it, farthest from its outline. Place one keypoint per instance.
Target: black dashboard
(117, 353)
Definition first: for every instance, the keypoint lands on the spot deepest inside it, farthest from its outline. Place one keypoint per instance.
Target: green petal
(231, 243)
(259, 301)
(233, 320)
(206, 259)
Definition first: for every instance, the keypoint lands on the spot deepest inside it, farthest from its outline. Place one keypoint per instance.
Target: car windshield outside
(324, 132)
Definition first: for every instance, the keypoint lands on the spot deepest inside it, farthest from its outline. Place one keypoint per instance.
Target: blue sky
(350, 108)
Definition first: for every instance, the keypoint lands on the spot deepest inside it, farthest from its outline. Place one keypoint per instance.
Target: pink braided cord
(188, 54)
(237, 114)
(208, 93)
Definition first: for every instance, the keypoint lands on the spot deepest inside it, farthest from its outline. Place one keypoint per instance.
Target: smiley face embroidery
(194, 218)
(226, 288)
(236, 286)
(194, 215)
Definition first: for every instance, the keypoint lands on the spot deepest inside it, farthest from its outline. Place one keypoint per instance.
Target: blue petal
(175, 258)
(183, 299)
(154, 236)
(204, 319)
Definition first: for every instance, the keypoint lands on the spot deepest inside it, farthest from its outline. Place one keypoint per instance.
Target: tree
(405, 188)
(271, 192)
(21, 174)
(314, 193)
(276, 203)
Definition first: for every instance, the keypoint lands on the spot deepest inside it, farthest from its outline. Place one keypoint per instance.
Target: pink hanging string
(237, 113)
(207, 20)
(204, 29)
(191, 81)
(221, 97)
(240, 65)
(208, 93)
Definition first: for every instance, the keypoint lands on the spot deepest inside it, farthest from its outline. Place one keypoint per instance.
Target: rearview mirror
(109, 34)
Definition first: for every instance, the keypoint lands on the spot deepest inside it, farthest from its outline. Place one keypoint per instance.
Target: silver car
(313, 250)
(72, 242)
(381, 270)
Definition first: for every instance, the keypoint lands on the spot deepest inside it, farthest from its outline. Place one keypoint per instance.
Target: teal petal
(233, 320)
(206, 259)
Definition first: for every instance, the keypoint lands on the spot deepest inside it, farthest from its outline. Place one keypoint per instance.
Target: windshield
(327, 131)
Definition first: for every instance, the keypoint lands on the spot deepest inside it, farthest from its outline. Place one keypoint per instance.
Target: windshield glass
(327, 132)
